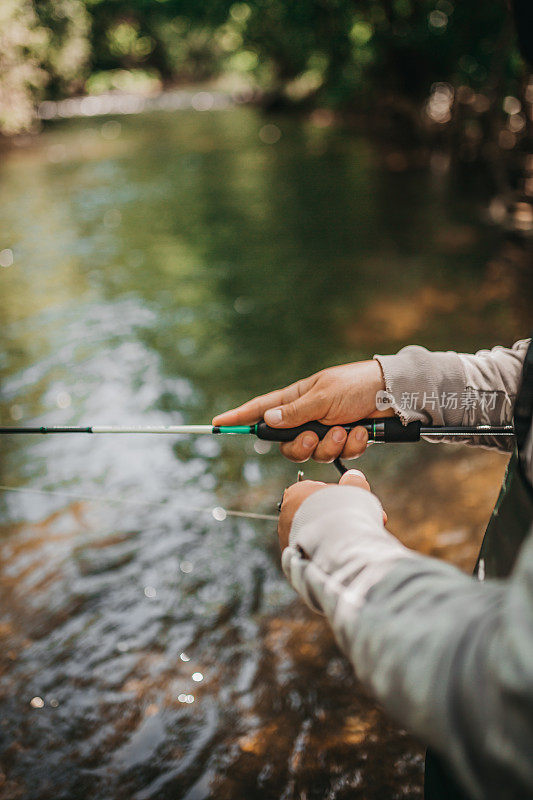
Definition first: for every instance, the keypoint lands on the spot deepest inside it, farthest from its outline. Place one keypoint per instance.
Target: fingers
(301, 489)
(254, 409)
(354, 477)
(249, 412)
(293, 497)
(335, 443)
(301, 448)
(309, 406)
(331, 445)
(356, 443)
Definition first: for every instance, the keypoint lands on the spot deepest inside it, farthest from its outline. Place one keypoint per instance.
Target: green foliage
(22, 48)
(335, 52)
(43, 48)
(131, 81)
(67, 26)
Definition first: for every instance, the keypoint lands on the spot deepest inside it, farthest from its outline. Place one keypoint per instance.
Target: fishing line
(217, 512)
(383, 430)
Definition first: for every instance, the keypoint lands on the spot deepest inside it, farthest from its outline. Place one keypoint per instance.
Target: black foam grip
(390, 430)
(264, 431)
(395, 431)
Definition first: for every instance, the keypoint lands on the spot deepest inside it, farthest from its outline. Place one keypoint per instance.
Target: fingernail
(273, 416)
(308, 442)
(361, 435)
(355, 473)
(338, 435)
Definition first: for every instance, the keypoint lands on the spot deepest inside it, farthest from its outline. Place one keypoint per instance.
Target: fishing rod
(388, 429)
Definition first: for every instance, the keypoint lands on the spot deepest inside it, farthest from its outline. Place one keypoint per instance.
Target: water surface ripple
(149, 651)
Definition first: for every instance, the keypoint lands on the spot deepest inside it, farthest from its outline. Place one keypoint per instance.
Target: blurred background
(198, 203)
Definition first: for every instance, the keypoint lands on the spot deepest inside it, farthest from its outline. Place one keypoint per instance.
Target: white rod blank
(153, 429)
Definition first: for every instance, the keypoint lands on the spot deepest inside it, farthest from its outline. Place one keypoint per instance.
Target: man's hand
(334, 396)
(298, 492)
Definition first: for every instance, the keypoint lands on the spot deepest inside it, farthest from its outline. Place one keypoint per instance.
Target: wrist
(313, 516)
(375, 383)
(376, 375)
(367, 380)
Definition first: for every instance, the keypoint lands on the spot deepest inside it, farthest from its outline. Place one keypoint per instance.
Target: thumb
(354, 477)
(304, 409)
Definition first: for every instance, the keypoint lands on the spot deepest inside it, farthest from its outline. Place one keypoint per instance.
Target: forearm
(333, 571)
(448, 388)
(437, 648)
(441, 651)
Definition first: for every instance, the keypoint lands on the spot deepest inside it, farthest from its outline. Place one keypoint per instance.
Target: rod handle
(384, 429)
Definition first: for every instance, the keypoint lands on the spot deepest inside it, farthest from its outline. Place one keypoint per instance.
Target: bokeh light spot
(512, 105)
(439, 104)
(262, 447)
(186, 698)
(6, 258)
(16, 412)
(270, 134)
(438, 20)
(111, 129)
(63, 400)
(202, 101)
(243, 305)
(219, 514)
(240, 12)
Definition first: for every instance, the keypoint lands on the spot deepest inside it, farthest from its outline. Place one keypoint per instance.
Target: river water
(167, 266)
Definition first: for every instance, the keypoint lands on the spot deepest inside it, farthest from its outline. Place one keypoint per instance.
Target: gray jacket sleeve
(452, 659)
(449, 657)
(448, 388)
